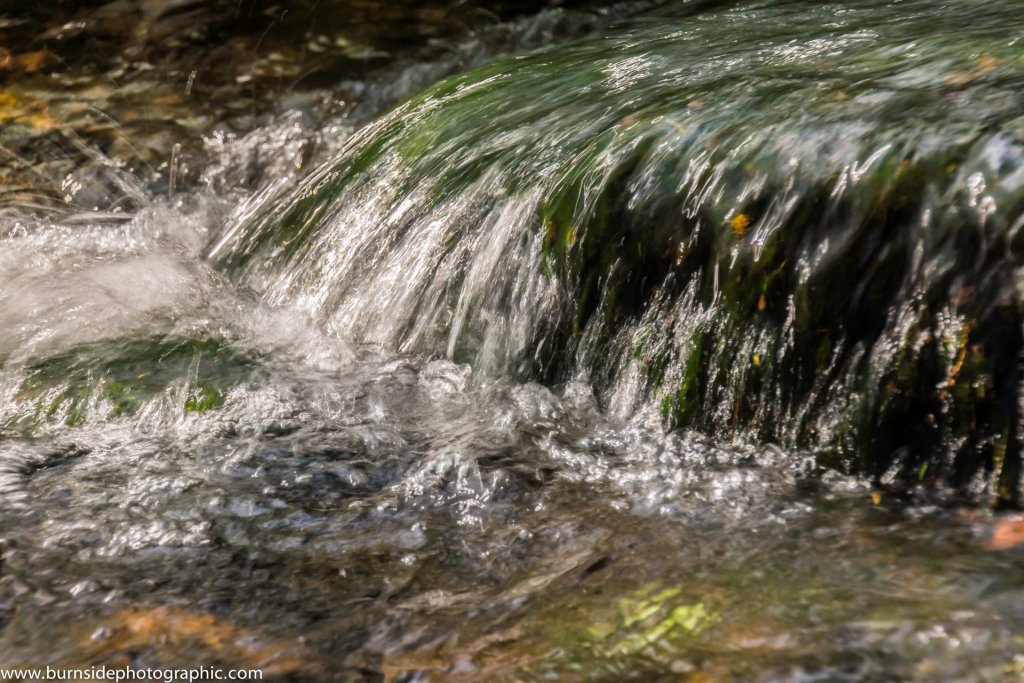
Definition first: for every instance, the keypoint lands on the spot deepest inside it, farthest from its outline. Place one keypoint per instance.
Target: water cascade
(771, 223)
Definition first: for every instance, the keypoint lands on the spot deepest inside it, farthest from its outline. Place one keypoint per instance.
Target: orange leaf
(32, 62)
(1006, 533)
(740, 224)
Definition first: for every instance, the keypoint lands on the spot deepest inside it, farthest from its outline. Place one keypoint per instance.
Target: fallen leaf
(43, 122)
(1006, 533)
(171, 629)
(988, 62)
(958, 364)
(32, 62)
(740, 224)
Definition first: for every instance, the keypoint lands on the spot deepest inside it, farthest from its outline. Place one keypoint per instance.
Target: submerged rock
(106, 380)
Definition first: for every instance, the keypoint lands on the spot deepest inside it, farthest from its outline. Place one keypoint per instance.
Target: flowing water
(666, 353)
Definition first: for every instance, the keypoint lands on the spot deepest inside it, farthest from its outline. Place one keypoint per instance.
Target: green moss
(117, 379)
(203, 398)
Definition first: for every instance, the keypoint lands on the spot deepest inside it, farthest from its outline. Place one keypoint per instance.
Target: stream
(673, 341)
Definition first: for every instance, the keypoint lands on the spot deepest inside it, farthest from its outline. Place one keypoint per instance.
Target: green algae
(109, 380)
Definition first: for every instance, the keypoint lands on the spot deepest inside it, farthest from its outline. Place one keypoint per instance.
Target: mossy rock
(775, 239)
(112, 379)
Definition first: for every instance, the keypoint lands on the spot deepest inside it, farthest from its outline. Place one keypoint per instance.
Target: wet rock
(747, 246)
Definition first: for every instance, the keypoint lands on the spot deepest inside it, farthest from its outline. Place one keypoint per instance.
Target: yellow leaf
(43, 122)
(988, 62)
(740, 224)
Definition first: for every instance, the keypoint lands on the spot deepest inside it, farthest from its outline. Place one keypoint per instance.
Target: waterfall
(806, 234)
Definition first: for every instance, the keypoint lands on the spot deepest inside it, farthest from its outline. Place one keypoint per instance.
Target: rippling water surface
(422, 413)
